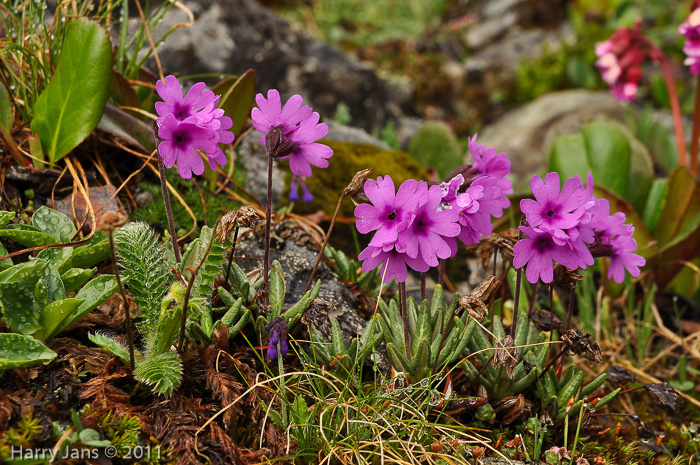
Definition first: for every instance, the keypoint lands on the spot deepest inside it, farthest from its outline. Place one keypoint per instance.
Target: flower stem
(695, 142)
(675, 108)
(168, 209)
(404, 315)
(516, 302)
(230, 258)
(268, 218)
(127, 309)
(422, 287)
(325, 241)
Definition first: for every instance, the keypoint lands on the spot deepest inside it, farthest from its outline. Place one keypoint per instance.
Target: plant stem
(230, 258)
(268, 218)
(127, 309)
(441, 272)
(516, 303)
(675, 107)
(283, 394)
(325, 241)
(168, 209)
(422, 287)
(695, 141)
(404, 315)
(578, 431)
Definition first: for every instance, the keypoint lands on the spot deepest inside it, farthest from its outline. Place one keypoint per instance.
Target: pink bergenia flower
(553, 210)
(620, 61)
(427, 234)
(188, 124)
(390, 212)
(690, 29)
(296, 129)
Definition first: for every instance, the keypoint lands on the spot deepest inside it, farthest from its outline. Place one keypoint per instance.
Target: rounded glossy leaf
(18, 351)
(73, 102)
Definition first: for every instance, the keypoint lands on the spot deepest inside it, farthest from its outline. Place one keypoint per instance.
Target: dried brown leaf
(582, 344)
(664, 396)
(317, 314)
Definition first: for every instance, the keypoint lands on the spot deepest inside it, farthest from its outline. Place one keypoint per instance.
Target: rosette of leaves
(345, 361)
(41, 297)
(351, 271)
(437, 335)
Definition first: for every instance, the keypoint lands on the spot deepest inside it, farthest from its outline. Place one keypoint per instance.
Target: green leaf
(294, 313)
(53, 284)
(73, 102)
(6, 118)
(299, 411)
(6, 217)
(168, 329)
(28, 236)
(127, 128)
(655, 203)
(30, 272)
(91, 438)
(76, 277)
(17, 305)
(17, 351)
(616, 159)
(54, 316)
(237, 98)
(162, 372)
(276, 292)
(59, 258)
(435, 146)
(92, 294)
(96, 250)
(682, 207)
(7, 263)
(55, 223)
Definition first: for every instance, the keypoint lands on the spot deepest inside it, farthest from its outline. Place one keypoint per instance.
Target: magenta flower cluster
(569, 226)
(420, 224)
(188, 124)
(690, 29)
(620, 60)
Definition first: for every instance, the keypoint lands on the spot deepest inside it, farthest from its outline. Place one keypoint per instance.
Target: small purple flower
(198, 100)
(622, 257)
(181, 139)
(294, 190)
(539, 250)
(390, 212)
(394, 263)
(556, 211)
(188, 124)
(297, 130)
(488, 162)
(427, 234)
(690, 29)
(277, 329)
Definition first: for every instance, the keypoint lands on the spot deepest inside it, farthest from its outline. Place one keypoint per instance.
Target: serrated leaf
(28, 236)
(17, 351)
(17, 305)
(112, 346)
(55, 223)
(167, 331)
(73, 102)
(76, 277)
(162, 372)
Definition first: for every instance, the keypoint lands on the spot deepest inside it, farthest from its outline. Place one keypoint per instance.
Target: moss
(349, 158)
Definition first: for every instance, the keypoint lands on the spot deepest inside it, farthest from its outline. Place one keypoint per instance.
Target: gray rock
(523, 133)
(231, 36)
(341, 133)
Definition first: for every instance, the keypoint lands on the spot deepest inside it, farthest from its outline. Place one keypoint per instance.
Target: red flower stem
(695, 141)
(168, 209)
(230, 258)
(325, 241)
(422, 287)
(268, 218)
(675, 108)
(404, 315)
